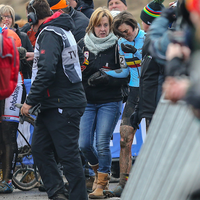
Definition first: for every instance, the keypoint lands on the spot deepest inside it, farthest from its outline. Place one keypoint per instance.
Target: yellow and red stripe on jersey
(133, 62)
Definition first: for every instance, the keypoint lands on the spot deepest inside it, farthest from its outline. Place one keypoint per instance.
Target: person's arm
(177, 57)
(160, 35)
(192, 96)
(123, 72)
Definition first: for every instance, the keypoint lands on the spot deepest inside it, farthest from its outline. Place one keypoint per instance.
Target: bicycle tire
(23, 172)
(18, 181)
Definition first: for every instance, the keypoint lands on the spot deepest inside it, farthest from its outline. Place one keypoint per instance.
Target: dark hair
(123, 17)
(41, 7)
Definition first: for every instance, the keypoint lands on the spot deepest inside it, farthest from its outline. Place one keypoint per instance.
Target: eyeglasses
(6, 16)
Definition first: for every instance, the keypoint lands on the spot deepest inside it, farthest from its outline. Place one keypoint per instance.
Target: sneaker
(6, 187)
(59, 197)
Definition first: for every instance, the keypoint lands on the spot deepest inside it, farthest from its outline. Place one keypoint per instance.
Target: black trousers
(8, 145)
(130, 105)
(58, 130)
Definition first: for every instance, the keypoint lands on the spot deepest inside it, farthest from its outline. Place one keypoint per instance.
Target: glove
(134, 120)
(127, 48)
(98, 78)
(169, 13)
(22, 52)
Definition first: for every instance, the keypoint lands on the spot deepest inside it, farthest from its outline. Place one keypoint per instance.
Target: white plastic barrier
(168, 165)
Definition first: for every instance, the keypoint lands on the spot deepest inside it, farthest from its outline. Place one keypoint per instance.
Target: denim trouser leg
(101, 118)
(86, 138)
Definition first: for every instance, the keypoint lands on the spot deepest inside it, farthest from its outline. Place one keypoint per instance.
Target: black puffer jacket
(51, 87)
(104, 93)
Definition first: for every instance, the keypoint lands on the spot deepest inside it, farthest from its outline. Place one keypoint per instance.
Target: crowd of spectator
(84, 63)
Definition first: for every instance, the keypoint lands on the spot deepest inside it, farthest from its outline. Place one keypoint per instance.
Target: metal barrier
(168, 165)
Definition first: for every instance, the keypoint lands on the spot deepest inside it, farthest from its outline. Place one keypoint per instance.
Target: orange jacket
(11, 33)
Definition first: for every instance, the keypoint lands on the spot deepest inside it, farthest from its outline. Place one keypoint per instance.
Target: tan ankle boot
(95, 167)
(102, 182)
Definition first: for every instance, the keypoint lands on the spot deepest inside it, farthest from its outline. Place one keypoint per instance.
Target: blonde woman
(104, 98)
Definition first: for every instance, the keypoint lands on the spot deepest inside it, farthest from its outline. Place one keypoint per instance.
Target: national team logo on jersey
(86, 54)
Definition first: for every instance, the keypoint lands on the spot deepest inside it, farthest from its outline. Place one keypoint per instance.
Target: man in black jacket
(80, 20)
(57, 87)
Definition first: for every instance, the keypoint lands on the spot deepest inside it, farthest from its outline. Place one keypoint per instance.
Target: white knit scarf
(96, 45)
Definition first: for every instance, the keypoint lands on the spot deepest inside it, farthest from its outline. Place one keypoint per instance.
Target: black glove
(127, 48)
(169, 13)
(134, 120)
(98, 78)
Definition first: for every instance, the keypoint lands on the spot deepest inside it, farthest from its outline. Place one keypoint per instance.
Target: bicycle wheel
(24, 178)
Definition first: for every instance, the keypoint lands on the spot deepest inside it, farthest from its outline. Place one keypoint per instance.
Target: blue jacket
(130, 63)
(160, 38)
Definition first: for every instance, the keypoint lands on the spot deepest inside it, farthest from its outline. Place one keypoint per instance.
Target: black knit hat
(151, 11)
(123, 1)
(57, 4)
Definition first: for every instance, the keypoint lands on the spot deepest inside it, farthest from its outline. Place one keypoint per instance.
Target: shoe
(41, 188)
(6, 187)
(89, 183)
(114, 193)
(102, 184)
(114, 180)
(59, 197)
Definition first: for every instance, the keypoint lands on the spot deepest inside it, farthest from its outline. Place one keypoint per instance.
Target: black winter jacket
(149, 93)
(80, 21)
(24, 38)
(25, 66)
(51, 87)
(86, 7)
(110, 92)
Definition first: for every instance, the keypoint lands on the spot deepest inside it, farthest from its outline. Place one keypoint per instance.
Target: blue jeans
(101, 118)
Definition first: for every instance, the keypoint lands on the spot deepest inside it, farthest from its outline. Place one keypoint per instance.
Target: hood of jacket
(58, 19)
(81, 5)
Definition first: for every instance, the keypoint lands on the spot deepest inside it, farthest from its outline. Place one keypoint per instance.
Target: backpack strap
(1, 45)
